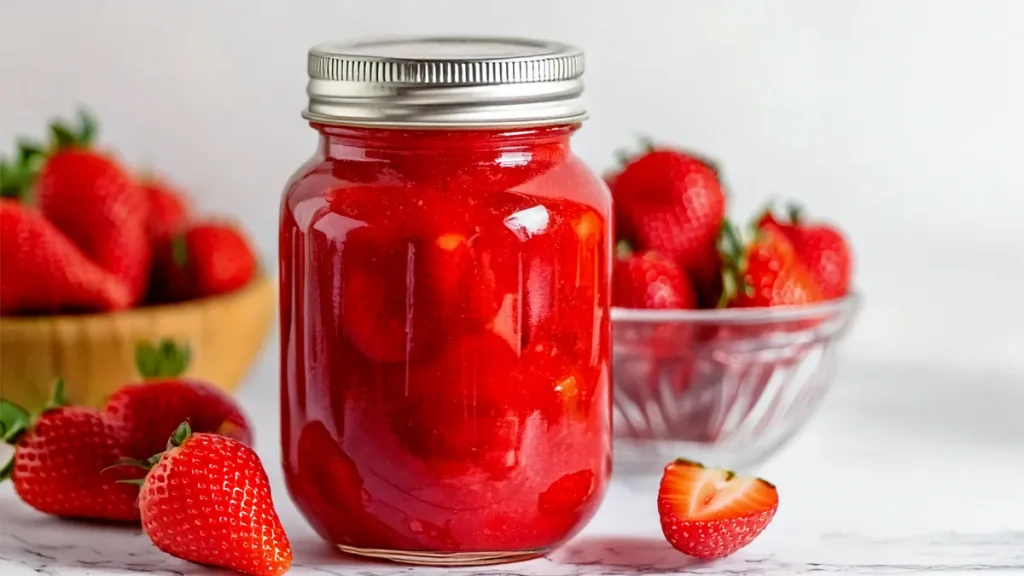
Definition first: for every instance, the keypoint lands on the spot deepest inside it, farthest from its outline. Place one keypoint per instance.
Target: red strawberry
(821, 248)
(205, 259)
(150, 410)
(672, 202)
(207, 500)
(42, 271)
(61, 458)
(765, 273)
(648, 280)
(169, 209)
(95, 201)
(710, 513)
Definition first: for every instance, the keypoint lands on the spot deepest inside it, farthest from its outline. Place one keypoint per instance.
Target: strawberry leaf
(57, 399)
(165, 359)
(18, 174)
(796, 213)
(128, 462)
(63, 136)
(8, 470)
(179, 436)
(14, 420)
(86, 127)
(647, 144)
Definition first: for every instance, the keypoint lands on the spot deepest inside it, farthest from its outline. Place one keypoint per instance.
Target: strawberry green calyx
(734, 264)
(180, 434)
(57, 398)
(18, 174)
(178, 437)
(623, 249)
(16, 421)
(179, 250)
(65, 136)
(164, 359)
(796, 213)
(648, 145)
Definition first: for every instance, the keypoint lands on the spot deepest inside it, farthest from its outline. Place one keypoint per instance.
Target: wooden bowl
(95, 354)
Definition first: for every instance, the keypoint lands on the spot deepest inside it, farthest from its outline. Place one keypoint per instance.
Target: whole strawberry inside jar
(444, 269)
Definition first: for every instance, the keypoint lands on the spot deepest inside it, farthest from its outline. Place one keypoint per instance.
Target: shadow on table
(631, 554)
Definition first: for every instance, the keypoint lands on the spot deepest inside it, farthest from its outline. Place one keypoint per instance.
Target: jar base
(443, 558)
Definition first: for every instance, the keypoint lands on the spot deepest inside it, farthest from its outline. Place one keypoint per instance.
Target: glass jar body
(445, 342)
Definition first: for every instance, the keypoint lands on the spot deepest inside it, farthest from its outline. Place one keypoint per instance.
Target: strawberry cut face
(710, 513)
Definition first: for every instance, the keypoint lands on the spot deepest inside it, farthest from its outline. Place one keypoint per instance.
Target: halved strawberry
(710, 513)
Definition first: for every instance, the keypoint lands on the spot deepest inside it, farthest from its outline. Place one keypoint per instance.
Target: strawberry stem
(181, 433)
(165, 359)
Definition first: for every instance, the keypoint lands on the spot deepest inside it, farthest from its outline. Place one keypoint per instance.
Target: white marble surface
(905, 470)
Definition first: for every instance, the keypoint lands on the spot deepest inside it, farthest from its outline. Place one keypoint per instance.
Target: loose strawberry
(764, 273)
(169, 209)
(42, 271)
(149, 411)
(61, 458)
(821, 248)
(648, 280)
(207, 500)
(672, 202)
(205, 259)
(710, 513)
(95, 201)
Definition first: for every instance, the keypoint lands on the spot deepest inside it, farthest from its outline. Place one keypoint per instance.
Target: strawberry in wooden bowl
(95, 258)
(724, 338)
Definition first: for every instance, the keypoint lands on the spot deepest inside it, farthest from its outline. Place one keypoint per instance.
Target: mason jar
(444, 286)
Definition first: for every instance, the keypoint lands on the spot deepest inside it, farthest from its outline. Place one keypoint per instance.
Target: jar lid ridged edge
(452, 82)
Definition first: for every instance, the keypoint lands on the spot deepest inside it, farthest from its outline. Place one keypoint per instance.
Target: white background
(901, 120)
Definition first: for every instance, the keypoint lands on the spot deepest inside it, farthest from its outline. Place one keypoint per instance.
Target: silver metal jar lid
(445, 83)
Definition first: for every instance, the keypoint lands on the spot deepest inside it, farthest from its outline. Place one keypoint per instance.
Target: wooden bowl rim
(258, 283)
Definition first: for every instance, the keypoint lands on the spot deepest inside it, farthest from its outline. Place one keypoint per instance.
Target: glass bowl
(722, 387)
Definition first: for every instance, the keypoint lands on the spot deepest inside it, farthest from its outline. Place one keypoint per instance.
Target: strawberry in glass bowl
(724, 340)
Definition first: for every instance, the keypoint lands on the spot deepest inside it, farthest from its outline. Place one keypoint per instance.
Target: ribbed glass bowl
(723, 387)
